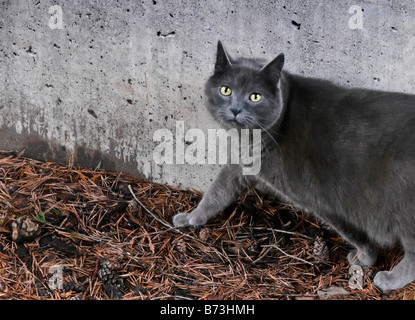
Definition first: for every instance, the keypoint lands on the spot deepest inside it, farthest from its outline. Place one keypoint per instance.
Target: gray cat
(345, 155)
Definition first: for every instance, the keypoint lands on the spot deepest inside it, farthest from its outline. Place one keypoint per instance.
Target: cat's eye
(255, 97)
(225, 90)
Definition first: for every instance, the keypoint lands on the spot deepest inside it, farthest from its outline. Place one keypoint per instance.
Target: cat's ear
(223, 60)
(273, 69)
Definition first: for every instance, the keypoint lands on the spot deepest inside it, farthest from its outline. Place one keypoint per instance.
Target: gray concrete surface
(93, 90)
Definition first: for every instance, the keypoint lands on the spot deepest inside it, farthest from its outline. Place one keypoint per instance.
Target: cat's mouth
(234, 121)
(238, 121)
(238, 124)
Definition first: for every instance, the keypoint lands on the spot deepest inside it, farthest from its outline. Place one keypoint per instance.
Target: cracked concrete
(94, 91)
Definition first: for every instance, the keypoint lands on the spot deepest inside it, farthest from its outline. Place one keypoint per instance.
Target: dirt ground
(71, 233)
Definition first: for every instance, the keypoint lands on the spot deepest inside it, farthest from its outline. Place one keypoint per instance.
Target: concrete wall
(94, 91)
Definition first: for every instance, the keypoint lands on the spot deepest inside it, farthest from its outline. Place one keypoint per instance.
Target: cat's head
(244, 93)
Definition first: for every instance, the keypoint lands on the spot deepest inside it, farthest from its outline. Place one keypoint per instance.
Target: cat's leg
(403, 273)
(365, 252)
(364, 256)
(224, 190)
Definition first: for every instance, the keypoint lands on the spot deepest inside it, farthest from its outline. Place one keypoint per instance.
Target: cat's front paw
(385, 281)
(363, 259)
(194, 219)
(181, 219)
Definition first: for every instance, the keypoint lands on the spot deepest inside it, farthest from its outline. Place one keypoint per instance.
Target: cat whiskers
(220, 115)
(249, 122)
(276, 143)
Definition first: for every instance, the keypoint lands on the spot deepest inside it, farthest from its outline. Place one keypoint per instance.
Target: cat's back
(330, 108)
(358, 131)
(386, 116)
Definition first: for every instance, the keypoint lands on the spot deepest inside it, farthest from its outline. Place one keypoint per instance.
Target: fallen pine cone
(181, 245)
(72, 286)
(204, 234)
(320, 250)
(113, 285)
(109, 264)
(24, 229)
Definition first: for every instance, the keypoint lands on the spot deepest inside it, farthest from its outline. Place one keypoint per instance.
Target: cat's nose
(236, 111)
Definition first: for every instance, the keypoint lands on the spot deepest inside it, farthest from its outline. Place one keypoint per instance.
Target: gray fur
(345, 155)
